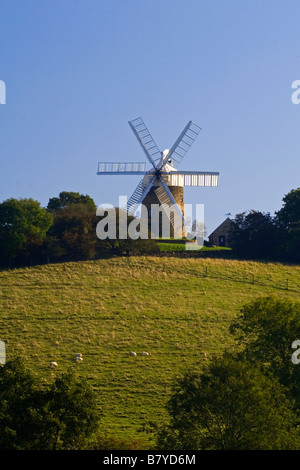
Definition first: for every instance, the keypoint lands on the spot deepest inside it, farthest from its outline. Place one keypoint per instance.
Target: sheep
(53, 364)
(78, 357)
(132, 353)
(144, 353)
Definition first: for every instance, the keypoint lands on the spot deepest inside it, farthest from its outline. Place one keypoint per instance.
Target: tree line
(63, 231)
(66, 231)
(258, 235)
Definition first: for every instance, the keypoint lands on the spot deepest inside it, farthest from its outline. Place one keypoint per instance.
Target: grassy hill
(178, 310)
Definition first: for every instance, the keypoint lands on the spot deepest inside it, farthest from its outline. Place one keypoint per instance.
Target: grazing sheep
(144, 353)
(132, 353)
(78, 357)
(53, 364)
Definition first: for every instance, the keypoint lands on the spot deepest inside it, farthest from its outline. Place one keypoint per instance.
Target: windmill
(163, 183)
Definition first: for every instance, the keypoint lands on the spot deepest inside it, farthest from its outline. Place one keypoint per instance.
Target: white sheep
(78, 357)
(53, 364)
(144, 353)
(132, 353)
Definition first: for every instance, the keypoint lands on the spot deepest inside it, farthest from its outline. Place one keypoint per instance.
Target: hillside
(178, 310)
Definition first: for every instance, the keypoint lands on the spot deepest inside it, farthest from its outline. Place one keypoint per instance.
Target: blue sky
(76, 71)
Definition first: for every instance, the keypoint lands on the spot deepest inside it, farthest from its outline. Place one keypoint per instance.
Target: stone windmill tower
(163, 184)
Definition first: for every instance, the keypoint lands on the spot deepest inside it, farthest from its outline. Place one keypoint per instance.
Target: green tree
(289, 215)
(266, 328)
(288, 220)
(23, 226)
(21, 410)
(73, 234)
(232, 405)
(254, 235)
(34, 416)
(67, 198)
(72, 410)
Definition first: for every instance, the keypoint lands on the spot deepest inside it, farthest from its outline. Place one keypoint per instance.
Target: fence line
(284, 284)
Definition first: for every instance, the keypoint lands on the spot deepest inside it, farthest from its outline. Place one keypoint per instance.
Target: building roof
(227, 222)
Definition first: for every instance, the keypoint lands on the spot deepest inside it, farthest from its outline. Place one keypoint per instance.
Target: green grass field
(173, 246)
(178, 310)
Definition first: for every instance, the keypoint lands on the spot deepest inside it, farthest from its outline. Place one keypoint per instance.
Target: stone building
(222, 234)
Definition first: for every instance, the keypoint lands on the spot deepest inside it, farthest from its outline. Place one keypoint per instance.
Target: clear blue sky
(76, 71)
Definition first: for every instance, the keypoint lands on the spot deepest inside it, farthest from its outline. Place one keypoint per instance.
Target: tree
(231, 405)
(288, 220)
(23, 226)
(67, 198)
(73, 234)
(254, 235)
(72, 409)
(267, 328)
(289, 215)
(20, 408)
(35, 417)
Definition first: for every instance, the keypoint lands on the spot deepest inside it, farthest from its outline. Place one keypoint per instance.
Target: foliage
(33, 417)
(23, 226)
(20, 412)
(67, 198)
(253, 235)
(289, 215)
(72, 236)
(231, 405)
(288, 220)
(267, 328)
(65, 231)
(72, 410)
(259, 235)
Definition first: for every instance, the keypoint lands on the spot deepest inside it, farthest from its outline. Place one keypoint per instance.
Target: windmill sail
(183, 143)
(139, 194)
(146, 141)
(192, 178)
(121, 168)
